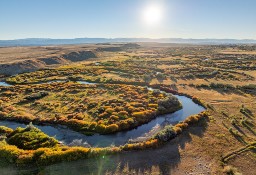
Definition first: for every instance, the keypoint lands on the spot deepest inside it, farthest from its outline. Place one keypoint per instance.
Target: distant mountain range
(48, 41)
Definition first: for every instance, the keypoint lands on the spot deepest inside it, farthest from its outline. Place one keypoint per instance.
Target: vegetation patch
(30, 138)
(24, 146)
(101, 108)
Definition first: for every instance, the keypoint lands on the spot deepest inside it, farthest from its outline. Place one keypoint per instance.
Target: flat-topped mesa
(79, 56)
(30, 65)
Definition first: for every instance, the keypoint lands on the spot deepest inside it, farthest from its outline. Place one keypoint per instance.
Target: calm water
(2, 83)
(85, 82)
(167, 155)
(70, 137)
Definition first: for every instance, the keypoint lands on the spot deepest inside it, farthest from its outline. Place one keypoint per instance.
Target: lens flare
(153, 14)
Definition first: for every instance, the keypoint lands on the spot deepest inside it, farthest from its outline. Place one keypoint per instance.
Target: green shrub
(30, 138)
(5, 130)
(166, 134)
(36, 96)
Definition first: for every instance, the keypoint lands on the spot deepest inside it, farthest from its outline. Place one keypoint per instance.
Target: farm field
(121, 87)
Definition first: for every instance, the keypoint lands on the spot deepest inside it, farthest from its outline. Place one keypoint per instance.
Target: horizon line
(110, 38)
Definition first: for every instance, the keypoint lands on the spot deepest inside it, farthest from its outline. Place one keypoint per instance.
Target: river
(169, 153)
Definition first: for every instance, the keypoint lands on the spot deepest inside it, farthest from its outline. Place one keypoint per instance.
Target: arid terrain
(15, 60)
(223, 77)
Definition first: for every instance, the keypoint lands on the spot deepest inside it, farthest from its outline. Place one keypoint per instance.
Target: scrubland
(221, 78)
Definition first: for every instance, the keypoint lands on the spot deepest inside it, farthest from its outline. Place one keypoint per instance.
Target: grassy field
(222, 76)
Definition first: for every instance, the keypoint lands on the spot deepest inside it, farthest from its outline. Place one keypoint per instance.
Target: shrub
(9, 152)
(109, 110)
(166, 134)
(30, 138)
(153, 105)
(141, 145)
(3, 114)
(229, 170)
(181, 125)
(112, 128)
(147, 78)
(123, 113)
(192, 119)
(114, 117)
(138, 114)
(36, 96)
(177, 129)
(160, 76)
(5, 130)
(168, 104)
(101, 128)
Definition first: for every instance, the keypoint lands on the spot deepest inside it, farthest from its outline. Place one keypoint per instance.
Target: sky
(219, 19)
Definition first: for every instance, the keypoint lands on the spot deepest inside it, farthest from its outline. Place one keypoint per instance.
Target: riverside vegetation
(89, 108)
(102, 108)
(220, 78)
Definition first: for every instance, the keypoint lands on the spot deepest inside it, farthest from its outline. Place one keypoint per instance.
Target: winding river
(72, 138)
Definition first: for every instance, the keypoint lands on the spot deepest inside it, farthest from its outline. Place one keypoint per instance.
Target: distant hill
(49, 41)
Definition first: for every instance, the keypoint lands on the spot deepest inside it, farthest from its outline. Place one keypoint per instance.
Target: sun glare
(152, 14)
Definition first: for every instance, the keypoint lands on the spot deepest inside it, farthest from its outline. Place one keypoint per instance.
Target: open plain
(46, 86)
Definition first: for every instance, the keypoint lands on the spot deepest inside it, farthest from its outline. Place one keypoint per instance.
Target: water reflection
(72, 138)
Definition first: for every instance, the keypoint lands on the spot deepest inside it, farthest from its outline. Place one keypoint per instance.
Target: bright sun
(152, 14)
